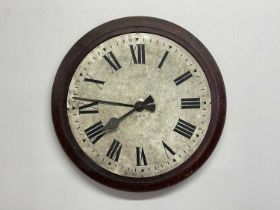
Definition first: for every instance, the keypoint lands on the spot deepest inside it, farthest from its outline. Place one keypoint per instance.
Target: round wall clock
(138, 104)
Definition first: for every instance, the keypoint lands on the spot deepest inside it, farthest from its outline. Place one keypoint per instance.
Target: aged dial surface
(139, 105)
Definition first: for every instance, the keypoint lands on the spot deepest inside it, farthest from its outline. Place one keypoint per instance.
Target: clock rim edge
(145, 25)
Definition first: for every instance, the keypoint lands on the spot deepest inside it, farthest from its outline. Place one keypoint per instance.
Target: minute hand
(103, 102)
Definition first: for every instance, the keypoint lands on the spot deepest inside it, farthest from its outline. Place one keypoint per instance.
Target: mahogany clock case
(134, 25)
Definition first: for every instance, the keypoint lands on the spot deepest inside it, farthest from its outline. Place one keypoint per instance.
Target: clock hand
(113, 123)
(103, 102)
(148, 104)
(139, 106)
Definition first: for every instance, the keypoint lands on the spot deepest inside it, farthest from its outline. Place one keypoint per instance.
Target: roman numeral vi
(140, 157)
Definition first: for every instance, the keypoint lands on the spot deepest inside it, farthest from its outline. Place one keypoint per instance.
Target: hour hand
(149, 104)
(103, 102)
(113, 123)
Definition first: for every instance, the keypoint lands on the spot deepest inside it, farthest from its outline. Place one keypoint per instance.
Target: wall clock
(138, 104)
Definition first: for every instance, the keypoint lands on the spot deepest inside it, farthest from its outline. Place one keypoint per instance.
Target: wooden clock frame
(130, 25)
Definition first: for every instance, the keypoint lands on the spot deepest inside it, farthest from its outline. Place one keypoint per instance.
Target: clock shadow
(125, 195)
(108, 191)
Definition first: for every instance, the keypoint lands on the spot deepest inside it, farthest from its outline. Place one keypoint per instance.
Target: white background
(242, 173)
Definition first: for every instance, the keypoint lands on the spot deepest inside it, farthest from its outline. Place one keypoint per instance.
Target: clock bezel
(137, 25)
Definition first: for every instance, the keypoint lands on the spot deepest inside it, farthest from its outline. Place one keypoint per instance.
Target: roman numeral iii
(114, 151)
(184, 128)
(140, 157)
(95, 132)
(190, 103)
(111, 59)
(88, 108)
(183, 78)
(138, 53)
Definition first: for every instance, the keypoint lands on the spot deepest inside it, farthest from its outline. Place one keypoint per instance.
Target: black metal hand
(139, 106)
(103, 102)
(148, 104)
(113, 123)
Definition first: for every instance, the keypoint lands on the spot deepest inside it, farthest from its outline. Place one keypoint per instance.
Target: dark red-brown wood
(99, 35)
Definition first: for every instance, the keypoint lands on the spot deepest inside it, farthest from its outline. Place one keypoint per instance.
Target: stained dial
(139, 105)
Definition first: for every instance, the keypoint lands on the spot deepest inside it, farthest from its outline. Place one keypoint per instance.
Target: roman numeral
(163, 59)
(168, 149)
(140, 157)
(184, 128)
(85, 108)
(140, 50)
(95, 132)
(183, 78)
(114, 151)
(94, 81)
(111, 59)
(190, 103)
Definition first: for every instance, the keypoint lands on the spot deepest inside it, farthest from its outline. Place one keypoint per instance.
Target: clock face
(139, 105)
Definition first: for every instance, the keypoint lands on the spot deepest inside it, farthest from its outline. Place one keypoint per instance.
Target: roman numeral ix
(115, 150)
(95, 132)
(138, 53)
(184, 128)
(140, 157)
(111, 59)
(190, 103)
(183, 78)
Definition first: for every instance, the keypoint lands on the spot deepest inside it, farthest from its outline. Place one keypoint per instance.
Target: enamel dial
(139, 105)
